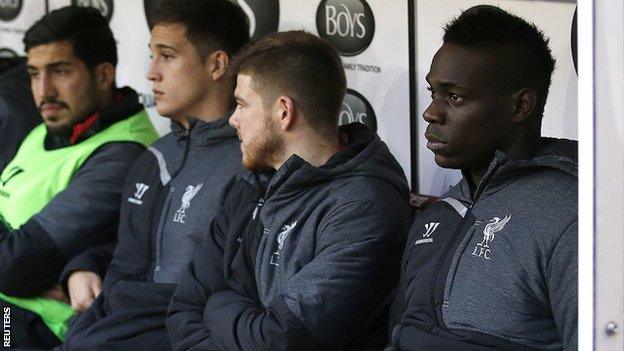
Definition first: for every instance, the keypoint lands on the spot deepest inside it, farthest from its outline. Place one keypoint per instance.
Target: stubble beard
(65, 129)
(264, 150)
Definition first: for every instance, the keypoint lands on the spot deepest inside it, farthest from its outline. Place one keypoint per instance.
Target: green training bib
(36, 175)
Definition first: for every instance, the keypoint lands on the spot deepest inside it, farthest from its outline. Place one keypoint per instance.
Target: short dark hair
(300, 65)
(85, 28)
(515, 40)
(210, 24)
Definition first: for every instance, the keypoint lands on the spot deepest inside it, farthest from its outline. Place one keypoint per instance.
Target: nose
(43, 87)
(153, 74)
(234, 119)
(434, 113)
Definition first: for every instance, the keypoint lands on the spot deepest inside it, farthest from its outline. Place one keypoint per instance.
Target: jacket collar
(559, 154)
(364, 155)
(126, 105)
(205, 133)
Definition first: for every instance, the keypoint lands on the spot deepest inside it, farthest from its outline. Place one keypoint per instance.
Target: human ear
(104, 75)
(217, 64)
(286, 112)
(524, 104)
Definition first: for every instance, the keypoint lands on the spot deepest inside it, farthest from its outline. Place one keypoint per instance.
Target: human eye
(454, 98)
(60, 71)
(167, 56)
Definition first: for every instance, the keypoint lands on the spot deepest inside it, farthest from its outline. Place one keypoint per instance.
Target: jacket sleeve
(332, 298)
(83, 215)
(18, 113)
(202, 278)
(563, 286)
(398, 305)
(95, 259)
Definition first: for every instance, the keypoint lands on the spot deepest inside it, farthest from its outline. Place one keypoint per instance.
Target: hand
(56, 293)
(84, 287)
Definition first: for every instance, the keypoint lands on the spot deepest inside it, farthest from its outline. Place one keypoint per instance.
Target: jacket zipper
(156, 246)
(456, 236)
(258, 206)
(441, 261)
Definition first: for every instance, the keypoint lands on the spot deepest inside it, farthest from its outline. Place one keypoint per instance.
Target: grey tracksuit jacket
(305, 262)
(495, 269)
(172, 193)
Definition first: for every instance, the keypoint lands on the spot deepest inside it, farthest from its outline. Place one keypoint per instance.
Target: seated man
(61, 192)
(306, 249)
(18, 113)
(173, 190)
(493, 264)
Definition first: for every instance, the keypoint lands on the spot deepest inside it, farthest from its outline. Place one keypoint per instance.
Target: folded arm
(330, 300)
(83, 215)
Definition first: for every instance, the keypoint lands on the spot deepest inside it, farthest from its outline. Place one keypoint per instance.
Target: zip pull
(483, 184)
(187, 146)
(255, 212)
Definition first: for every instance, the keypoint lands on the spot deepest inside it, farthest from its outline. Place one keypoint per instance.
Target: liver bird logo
(188, 196)
(494, 226)
(286, 229)
(281, 237)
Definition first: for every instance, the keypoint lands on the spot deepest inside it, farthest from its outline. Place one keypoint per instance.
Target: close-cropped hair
(85, 28)
(301, 66)
(210, 24)
(517, 43)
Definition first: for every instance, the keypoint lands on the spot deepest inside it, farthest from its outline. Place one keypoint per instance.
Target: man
(18, 113)
(174, 189)
(305, 251)
(493, 264)
(61, 192)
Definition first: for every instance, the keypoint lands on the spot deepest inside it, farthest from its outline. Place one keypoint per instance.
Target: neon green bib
(36, 175)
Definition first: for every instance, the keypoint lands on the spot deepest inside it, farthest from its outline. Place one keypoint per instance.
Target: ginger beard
(262, 149)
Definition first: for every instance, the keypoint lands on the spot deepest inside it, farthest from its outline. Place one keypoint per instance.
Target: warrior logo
(281, 237)
(188, 196)
(429, 229)
(104, 6)
(494, 226)
(141, 189)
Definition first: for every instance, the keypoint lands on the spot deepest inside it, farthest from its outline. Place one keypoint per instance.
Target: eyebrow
(443, 84)
(448, 85)
(239, 99)
(52, 65)
(163, 46)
